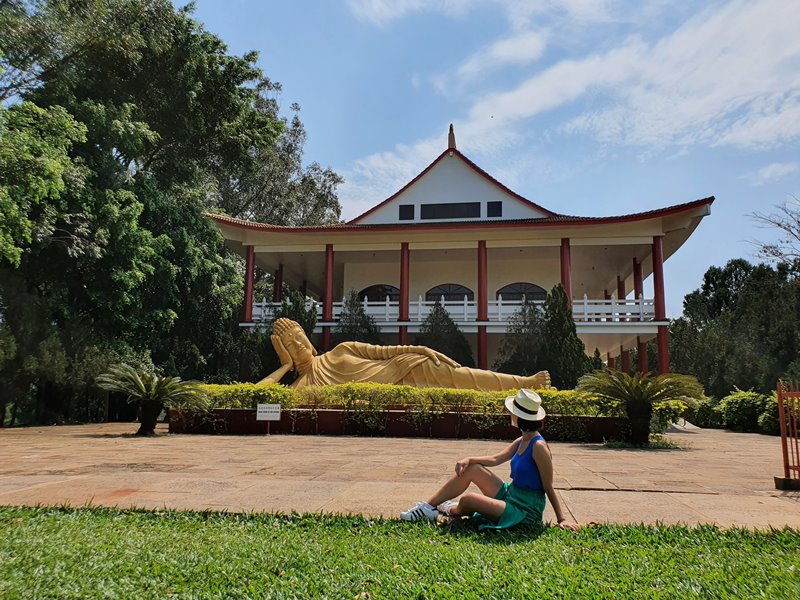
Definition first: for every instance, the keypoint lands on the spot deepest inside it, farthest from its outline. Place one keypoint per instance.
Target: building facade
(456, 235)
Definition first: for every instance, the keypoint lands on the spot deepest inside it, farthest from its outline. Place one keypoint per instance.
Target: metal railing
(584, 310)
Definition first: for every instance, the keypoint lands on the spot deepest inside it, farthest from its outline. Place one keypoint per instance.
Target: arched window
(378, 293)
(450, 291)
(514, 292)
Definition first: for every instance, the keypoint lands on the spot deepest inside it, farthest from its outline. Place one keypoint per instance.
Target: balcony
(591, 315)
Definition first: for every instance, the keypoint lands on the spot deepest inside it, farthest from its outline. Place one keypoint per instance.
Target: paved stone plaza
(717, 477)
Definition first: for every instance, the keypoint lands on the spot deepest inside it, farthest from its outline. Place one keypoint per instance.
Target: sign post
(268, 412)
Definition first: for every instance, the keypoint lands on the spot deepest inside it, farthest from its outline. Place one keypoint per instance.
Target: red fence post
(789, 415)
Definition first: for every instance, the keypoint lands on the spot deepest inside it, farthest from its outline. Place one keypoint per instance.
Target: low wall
(395, 422)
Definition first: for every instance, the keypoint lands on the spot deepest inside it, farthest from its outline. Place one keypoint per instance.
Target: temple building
(456, 235)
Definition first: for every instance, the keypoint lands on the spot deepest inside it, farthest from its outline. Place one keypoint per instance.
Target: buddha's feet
(539, 381)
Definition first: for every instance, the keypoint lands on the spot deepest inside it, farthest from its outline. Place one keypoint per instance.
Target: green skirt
(523, 507)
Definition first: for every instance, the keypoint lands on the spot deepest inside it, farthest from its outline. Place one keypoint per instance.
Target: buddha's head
(295, 341)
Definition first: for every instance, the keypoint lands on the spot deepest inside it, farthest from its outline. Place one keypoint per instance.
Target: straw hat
(527, 405)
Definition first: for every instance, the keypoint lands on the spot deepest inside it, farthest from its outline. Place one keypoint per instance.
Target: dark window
(378, 293)
(515, 291)
(460, 210)
(406, 212)
(494, 209)
(450, 291)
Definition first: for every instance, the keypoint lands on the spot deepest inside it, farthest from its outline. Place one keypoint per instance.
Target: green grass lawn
(92, 552)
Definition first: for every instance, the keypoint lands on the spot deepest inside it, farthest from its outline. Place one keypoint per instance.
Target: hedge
(362, 398)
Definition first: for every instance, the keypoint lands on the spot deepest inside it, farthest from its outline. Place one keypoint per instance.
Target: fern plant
(153, 392)
(638, 392)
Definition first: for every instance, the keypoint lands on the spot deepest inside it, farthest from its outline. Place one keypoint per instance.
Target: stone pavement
(717, 477)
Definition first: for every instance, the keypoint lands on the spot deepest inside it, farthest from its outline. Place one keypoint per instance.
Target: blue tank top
(524, 472)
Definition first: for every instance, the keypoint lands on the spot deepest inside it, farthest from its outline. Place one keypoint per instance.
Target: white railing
(584, 310)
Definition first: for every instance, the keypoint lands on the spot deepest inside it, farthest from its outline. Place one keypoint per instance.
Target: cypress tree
(563, 353)
(355, 325)
(439, 332)
(520, 351)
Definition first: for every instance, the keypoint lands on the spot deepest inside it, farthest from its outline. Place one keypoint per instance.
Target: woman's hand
(570, 525)
(283, 353)
(461, 466)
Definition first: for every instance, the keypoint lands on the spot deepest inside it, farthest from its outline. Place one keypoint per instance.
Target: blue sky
(587, 107)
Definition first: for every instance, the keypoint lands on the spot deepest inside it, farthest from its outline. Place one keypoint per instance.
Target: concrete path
(717, 477)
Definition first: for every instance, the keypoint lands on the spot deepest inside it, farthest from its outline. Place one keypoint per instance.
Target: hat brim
(515, 410)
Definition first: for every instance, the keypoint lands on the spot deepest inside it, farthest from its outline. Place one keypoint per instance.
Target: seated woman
(501, 505)
(401, 365)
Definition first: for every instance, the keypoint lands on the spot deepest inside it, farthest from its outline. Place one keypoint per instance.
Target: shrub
(769, 420)
(665, 414)
(740, 410)
(376, 397)
(248, 395)
(705, 414)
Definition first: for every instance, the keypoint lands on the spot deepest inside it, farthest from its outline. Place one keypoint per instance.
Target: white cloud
(519, 13)
(521, 49)
(729, 76)
(773, 172)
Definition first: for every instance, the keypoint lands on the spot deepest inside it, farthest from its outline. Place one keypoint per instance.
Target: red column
(638, 292)
(566, 269)
(249, 276)
(661, 310)
(483, 304)
(277, 288)
(404, 264)
(625, 356)
(327, 301)
(611, 362)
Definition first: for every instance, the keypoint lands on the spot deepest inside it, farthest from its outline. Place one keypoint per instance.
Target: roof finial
(451, 139)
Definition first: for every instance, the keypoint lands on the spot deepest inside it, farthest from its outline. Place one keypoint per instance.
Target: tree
(123, 254)
(153, 393)
(355, 324)
(785, 218)
(33, 165)
(439, 332)
(563, 353)
(740, 329)
(521, 349)
(638, 392)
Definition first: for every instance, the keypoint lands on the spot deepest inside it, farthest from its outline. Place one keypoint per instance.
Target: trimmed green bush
(706, 414)
(741, 410)
(769, 420)
(666, 413)
(248, 395)
(376, 397)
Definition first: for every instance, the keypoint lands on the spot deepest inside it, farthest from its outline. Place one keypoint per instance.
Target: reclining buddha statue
(401, 365)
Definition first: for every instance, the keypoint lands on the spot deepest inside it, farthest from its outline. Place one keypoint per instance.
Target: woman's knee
(468, 500)
(475, 470)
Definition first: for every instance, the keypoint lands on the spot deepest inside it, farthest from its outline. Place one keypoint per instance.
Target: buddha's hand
(438, 358)
(283, 353)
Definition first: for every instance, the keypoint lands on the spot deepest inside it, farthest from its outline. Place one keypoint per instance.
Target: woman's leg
(487, 482)
(471, 503)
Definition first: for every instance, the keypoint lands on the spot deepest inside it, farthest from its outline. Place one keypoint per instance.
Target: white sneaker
(421, 511)
(446, 507)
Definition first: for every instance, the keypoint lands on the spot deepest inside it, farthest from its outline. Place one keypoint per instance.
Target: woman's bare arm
(544, 462)
(490, 460)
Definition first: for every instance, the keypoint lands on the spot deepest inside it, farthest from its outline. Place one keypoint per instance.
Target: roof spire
(451, 139)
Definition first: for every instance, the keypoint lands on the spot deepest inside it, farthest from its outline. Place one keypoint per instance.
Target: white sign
(268, 412)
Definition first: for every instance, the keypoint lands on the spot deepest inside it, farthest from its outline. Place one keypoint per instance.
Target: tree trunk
(150, 412)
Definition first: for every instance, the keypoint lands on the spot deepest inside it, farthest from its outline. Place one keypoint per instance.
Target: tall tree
(123, 253)
(521, 349)
(355, 325)
(564, 354)
(439, 332)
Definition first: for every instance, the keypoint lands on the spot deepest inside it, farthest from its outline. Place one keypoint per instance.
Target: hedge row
(375, 397)
(741, 411)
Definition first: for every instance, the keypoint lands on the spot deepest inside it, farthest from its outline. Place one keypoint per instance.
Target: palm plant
(153, 392)
(638, 392)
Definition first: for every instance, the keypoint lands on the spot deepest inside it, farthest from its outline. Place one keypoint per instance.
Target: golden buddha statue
(400, 365)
